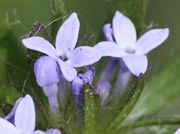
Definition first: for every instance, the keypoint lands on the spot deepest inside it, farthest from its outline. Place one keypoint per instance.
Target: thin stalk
(128, 106)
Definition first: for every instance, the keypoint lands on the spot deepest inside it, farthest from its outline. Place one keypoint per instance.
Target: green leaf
(135, 9)
(13, 65)
(8, 94)
(3, 28)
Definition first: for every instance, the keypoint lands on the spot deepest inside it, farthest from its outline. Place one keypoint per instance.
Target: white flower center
(130, 50)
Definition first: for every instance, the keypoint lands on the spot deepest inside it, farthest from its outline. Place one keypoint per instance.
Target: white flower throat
(130, 50)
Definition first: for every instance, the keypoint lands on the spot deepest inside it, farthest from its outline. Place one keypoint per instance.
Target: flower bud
(46, 71)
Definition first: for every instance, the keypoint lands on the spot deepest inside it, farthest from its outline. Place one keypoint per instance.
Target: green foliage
(135, 92)
(13, 58)
(13, 65)
(90, 111)
(8, 94)
(159, 103)
(3, 28)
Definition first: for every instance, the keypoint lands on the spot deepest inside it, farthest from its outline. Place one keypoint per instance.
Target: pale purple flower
(177, 131)
(108, 32)
(67, 57)
(124, 73)
(128, 47)
(103, 90)
(103, 86)
(47, 74)
(77, 85)
(24, 119)
(123, 77)
(82, 79)
(77, 88)
(88, 76)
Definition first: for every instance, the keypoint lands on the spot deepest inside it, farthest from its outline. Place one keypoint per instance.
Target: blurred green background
(165, 13)
(161, 95)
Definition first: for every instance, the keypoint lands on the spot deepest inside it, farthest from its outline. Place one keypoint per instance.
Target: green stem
(89, 110)
(38, 29)
(57, 6)
(128, 107)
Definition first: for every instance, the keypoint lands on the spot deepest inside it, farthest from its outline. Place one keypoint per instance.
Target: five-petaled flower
(24, 119)
(66, 56)
(125, 44)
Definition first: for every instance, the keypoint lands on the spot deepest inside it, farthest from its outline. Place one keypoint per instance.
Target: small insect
(37, 28)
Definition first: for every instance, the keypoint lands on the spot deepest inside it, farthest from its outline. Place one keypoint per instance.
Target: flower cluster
(59, 65)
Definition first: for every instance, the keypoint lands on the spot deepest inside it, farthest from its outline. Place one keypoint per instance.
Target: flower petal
(67, 35)
(137, 64)
(107, 48)
(151, 40)
(83, 56)
(88, 76)
(67, 70)
(40, 44)
(38, 132)
(76, 85)
(7, 128)
(25, 115)
(108, 32)
(124, 30)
